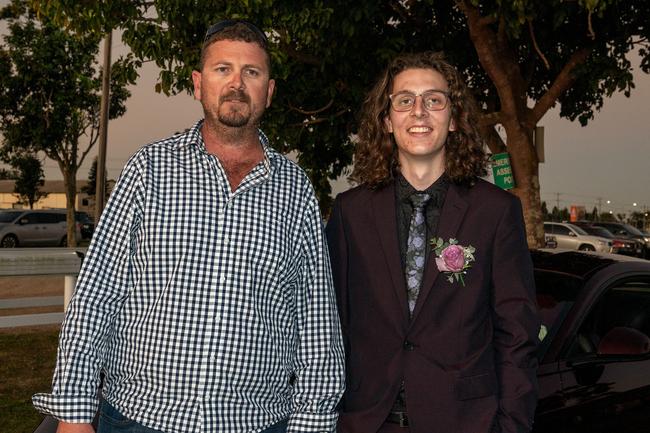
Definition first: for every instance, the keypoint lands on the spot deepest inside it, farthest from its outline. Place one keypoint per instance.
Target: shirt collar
(193, 137)
(404, 189)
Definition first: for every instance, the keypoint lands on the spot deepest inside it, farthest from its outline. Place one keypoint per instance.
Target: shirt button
(222, 279)
(408, 345)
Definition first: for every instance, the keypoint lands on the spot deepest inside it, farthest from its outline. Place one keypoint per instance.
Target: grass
(27, 358)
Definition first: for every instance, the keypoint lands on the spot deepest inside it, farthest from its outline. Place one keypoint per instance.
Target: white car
(572, 237)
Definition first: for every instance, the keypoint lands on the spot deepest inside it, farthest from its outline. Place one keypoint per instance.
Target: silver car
(25, 228)
(572, 237)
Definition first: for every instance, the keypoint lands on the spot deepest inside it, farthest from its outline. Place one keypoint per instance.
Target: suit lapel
(452, 214)
(384, 213)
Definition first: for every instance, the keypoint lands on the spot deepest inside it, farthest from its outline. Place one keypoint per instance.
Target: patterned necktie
(416, 249)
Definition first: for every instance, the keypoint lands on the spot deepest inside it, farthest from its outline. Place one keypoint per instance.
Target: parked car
(550, 241)
(572, 237)
(25, 228)
(86, 224)
(620, 245)
(627, 231)
(594, 373)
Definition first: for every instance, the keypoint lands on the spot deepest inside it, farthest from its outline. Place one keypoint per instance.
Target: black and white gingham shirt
(208, 310)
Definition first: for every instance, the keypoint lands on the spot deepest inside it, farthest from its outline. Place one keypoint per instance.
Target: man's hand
(65, 427)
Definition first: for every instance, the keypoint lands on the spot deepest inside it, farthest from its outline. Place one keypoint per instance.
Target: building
(55, 198)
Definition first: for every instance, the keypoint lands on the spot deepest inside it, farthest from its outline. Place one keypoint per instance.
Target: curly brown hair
(375, 159)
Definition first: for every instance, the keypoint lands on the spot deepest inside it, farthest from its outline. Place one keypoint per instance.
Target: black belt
(400, 418)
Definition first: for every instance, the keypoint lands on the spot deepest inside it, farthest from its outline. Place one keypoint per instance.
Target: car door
(54, 228)
(605, 372)
(565, 238)
(29, 230)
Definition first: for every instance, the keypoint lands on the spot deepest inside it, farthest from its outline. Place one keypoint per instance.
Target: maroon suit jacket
(467, 357)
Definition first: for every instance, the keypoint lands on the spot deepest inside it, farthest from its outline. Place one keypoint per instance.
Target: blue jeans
(280, 427)
(112, 421)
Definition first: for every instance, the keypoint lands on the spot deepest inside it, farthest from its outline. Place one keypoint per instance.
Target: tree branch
(490, 119)
(321, 119)
(539, 52)
(561, 84)
(312, 112)
(493, 139)
(497, 59)
(291, 51)
(591, 33)
(91, 143)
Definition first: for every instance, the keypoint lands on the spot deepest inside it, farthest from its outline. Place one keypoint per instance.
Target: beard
(237, 115)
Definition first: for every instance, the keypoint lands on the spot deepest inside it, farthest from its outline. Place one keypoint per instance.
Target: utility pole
(100, 191)
(600, 203)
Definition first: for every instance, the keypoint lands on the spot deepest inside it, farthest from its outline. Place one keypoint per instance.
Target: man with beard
(206, 295)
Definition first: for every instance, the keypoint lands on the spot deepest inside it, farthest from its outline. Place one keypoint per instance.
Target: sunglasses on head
(222, 25)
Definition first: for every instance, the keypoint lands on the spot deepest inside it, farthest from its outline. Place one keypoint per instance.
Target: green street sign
(502, 171)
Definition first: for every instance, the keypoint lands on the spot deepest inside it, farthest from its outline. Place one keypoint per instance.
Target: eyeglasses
(222, 25)
(432, 100)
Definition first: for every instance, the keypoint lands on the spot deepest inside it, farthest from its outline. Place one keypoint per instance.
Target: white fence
(39, 261)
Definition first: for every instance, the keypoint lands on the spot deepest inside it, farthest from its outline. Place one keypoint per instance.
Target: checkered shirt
(208, 310)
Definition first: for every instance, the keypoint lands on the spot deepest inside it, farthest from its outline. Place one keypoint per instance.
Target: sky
(606, 161)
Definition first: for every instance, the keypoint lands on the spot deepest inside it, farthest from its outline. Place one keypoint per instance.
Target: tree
(545, 213)
(29, 180)
(607, 217)
(91, 187)
(49, 94)
(520, 57)
(8, 174)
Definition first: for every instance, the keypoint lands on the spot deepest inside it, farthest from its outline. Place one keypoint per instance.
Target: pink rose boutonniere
(453, 259)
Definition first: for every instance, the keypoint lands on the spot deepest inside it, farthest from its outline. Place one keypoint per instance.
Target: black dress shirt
(404, 209)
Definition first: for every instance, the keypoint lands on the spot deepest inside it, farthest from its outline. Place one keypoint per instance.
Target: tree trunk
(525, 168)
(70, 185)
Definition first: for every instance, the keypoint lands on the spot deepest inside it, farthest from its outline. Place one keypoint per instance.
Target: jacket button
(408, 345)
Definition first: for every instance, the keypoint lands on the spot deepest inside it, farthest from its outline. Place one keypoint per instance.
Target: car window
(7, 217)
(632, 230)
(556, 293)
(599, 231)
(30, 218)
(560, 230)
(579, 230)
(46, 218)
(625, 304)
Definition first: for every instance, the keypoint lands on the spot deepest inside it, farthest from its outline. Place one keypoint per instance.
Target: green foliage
(8, 174)
(29, 180)
(325, 55)
(91, 187)
(50, 87)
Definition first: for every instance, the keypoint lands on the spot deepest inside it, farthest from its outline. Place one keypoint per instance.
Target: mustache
(236, 95)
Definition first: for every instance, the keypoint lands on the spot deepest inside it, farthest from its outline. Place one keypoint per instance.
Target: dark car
(626, 246)
(86, 225)
(594, 373)
(627, 231)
